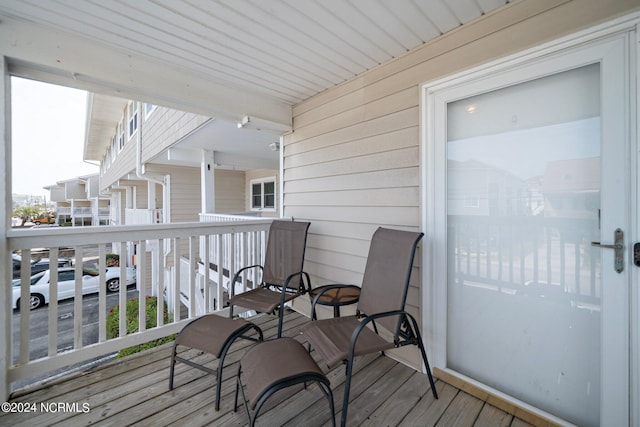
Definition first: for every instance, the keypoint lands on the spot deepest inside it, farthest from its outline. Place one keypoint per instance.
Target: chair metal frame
(239, 333)
(406, 331)
(282, 383)
(287, 290)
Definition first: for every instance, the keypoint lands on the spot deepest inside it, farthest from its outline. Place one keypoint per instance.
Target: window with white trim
(121, 139)
(148, 109)
(132, 117)
(263, 194)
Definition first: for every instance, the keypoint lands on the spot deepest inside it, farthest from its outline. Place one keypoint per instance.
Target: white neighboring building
(79, 202)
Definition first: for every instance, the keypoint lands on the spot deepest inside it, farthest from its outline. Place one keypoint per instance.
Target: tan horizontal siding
(380, 143)
(229, 191)
(184, 191)
(353, 160)
(367, 162)
(165, 127)
(390, 178)
(326, 133)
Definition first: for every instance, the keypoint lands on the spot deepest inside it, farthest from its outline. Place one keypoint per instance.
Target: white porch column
(151, 200)
(73, 213)
(207, 182)
(5, 206)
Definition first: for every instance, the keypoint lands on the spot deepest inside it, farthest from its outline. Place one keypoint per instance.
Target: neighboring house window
(148, 109)
(120, 137)
(132, 116)
(472, 202)
(263, 194)
(114, 145)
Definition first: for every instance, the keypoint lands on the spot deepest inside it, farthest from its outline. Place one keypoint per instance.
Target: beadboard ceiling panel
(288, 50)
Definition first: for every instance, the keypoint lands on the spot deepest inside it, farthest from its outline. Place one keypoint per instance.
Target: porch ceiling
(226, 59)
(282, 49)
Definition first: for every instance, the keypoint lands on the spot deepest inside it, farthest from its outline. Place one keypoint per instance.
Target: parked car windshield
(34, 279)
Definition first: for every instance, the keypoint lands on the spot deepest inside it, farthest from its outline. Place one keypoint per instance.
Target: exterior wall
(56, 194)
(75, 190)
(229, 191)
(164, 127)
(123, 164)
(160, 130)
(352, 162)
(141, 201)
(184, 189)
(257, 174)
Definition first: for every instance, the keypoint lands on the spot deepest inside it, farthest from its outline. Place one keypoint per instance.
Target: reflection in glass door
(523, 205)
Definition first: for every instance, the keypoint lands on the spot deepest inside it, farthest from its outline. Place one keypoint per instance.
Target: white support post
(151, 196)
(102, 293)
(77, 301)
(122, 292)
(207, 182)
(5, 205)
(141, 269)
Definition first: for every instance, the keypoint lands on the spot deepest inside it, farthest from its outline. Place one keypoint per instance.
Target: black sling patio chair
(382, 304)
(283, 278)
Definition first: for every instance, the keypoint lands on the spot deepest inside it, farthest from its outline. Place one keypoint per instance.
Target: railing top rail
(70, 236)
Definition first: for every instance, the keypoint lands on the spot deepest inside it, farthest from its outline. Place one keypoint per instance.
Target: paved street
(39, 324)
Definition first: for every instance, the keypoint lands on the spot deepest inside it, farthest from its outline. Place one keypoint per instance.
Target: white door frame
(434, 310)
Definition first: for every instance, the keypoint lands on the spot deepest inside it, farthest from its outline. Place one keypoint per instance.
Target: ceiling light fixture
(263, 125)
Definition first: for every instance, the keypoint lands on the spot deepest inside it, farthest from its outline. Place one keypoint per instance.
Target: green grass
(113, 324)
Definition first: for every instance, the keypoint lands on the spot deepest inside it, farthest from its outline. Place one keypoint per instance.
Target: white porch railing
(143, 216)
(243, 216)
(171, 260)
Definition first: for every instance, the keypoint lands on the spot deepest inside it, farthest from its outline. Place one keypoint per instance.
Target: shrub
(113, 260)
(113, 324)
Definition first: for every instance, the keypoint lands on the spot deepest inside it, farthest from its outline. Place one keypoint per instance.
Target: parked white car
(39, 294)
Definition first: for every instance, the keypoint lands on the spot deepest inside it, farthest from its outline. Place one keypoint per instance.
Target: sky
(47, 126)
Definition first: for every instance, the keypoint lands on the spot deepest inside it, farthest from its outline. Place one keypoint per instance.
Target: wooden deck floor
(134, 391)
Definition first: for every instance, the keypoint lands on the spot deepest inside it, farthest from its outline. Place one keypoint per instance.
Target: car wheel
(37, 223)
(35, 301)
(113, 285)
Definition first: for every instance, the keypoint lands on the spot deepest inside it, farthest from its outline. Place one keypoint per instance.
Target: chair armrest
(232, 286)
(303, 275)
(285, 285)
(372, 318)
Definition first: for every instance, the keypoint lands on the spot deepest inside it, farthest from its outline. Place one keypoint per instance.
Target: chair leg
(426, 364)
(424, 357)
(329, 395)
(280, 321)
(235, 399)
(223, 354)
(173, 365)
(347, 389)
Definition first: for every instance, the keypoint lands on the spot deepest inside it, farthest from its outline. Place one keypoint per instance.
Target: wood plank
(463, 411)
(363, 405)
(134, 391)
(495, 399)
(396, 407)
(428, 410)
(490, 416)
(517, 422)
(318, 415)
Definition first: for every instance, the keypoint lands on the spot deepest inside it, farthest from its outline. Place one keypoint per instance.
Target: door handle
(618, 247)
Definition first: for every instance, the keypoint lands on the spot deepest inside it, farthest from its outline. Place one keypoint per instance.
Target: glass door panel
(523, 204)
